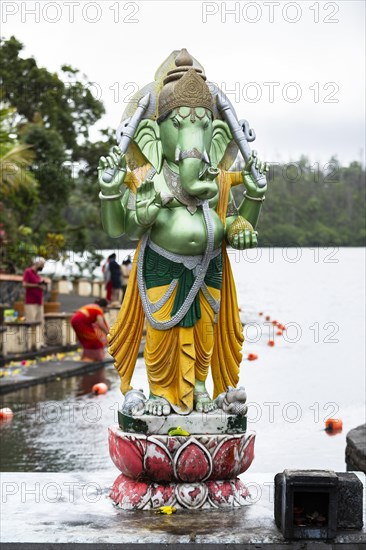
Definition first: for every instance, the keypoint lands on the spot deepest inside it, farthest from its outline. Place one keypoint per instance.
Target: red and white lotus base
(197, 471)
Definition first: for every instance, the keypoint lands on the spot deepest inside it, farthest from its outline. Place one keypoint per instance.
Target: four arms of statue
(184, 151)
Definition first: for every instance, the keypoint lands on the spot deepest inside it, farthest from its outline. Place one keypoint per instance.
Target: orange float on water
(279, 333)
(100, 388)
(271, 343)
(260, 313)
(252, 356)
(333, 425)
(274, 323)
(267, 317)
(6, 413)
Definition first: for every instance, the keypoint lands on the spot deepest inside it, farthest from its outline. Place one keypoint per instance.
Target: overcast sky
(296, 70)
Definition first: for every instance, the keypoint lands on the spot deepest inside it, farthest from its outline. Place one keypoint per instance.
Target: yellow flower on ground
(167, 510)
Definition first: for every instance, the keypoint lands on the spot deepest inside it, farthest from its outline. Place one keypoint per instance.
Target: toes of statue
(166, 410)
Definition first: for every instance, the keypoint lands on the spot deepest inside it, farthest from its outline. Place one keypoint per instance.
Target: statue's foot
(134, 403)
(234, 395)
(233, 401)
(203, 402)
(157, 406)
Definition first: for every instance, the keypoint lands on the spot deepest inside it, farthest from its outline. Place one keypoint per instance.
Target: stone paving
(67, 510)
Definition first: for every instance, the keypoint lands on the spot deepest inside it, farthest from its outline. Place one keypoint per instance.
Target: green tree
(52, 115)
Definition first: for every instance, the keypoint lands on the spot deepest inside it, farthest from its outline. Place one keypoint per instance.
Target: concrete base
(58, 511)
(215, 422)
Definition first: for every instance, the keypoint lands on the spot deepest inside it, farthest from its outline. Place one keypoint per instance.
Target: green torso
(181, 232)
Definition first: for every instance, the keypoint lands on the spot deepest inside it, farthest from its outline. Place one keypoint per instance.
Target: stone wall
(356, 449)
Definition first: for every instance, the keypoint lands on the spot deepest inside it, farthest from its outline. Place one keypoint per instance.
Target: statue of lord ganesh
(168, 185)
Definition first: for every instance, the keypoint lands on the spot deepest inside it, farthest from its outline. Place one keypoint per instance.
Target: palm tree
(15, 159)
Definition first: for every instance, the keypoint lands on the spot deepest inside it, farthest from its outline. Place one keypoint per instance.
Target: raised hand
(260, 167)
(116, 162)
(148, 203)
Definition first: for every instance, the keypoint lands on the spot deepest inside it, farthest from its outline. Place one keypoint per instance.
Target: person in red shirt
(34, 286)
(91, 329)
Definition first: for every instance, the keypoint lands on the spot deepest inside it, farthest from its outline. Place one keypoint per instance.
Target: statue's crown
(184, 86)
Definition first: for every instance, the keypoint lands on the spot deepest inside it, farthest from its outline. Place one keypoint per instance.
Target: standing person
(91, 329)
(115, 271)
(126, 270)
(107, 279)
(34, 286)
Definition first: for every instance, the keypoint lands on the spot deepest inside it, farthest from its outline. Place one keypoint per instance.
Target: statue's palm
(148, 203)
(116, 164)
(260, 167)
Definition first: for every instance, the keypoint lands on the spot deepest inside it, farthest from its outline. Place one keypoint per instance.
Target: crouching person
(91, 329)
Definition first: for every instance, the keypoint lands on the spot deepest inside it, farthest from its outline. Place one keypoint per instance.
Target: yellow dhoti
(175, 358)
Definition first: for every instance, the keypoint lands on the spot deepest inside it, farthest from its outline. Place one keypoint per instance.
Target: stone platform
(215, 422)
(72, 510)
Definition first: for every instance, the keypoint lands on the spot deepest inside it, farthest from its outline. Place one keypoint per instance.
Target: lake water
(315, 371)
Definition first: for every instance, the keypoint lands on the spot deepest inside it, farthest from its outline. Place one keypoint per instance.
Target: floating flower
(6, 413)
(100, 388)
(334, 425)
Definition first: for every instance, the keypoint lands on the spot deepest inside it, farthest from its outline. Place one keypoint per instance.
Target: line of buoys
(252, 356)
(275, 323)
(100, 388)
(333, 425)
(6, 414)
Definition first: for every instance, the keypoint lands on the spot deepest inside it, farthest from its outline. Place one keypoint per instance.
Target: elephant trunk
(196, 178)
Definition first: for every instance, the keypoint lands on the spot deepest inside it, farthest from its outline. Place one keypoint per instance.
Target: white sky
(323, 48)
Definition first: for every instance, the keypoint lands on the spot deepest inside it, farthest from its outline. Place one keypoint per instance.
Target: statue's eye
(205, 125)
(175, 123)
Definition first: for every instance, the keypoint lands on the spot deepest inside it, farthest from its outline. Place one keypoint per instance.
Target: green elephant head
(191, 142)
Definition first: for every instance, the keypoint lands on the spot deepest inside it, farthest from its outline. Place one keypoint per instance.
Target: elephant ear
(221, 138)
(147, 138)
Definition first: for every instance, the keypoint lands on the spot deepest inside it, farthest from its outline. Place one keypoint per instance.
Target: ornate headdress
(184, 86)
(179, 81)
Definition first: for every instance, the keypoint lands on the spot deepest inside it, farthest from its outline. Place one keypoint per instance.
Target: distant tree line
(48, 169)
(308, 204)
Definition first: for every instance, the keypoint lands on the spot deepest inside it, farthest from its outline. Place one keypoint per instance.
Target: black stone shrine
(314, 504)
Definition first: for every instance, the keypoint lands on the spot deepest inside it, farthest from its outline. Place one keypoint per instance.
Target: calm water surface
(316, 372)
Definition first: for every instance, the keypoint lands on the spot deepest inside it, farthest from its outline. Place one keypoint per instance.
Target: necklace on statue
(175, 187)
